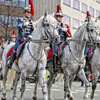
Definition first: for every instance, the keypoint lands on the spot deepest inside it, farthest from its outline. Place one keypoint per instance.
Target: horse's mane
(78, 30)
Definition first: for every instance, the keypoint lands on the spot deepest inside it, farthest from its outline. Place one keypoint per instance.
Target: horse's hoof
(68, 95)
(92, 99)
(51, 99)
(34, 98)
(71, 98)
(20, 89)
(14, 98)
(11, 88)
(3, 99)
(85, 97)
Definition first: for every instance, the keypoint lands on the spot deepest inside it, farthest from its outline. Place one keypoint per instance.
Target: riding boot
(55, 63)
(11, 60)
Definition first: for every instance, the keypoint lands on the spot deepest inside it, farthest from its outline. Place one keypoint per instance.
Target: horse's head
(91, 33)
(87, 32)
(49, 27)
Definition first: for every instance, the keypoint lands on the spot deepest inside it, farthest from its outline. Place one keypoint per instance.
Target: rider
(64, 32)
(89, 49)
(25, 29)
(0, 42)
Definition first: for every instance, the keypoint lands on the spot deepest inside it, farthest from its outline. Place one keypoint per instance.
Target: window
(84, 8)
(98, 1)
(76, 4)
(15, 2)
(97, 14)
(14, 21)
(1, 1)
(92, 11)
(1, 20)
(26, 3)
(67, 2)
(22, 3)
(8, 2)
(66, 20)
(75, 23)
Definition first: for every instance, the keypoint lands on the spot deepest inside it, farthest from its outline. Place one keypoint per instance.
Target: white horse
(33, 57)
(94, 66)
(74, 63)
(0, 64)
(73, 59)
(2, 46)
(80, 74)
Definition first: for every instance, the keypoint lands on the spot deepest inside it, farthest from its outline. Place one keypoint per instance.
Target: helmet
(59, 11)
(28, 9)
(88, 14)
(14, 34)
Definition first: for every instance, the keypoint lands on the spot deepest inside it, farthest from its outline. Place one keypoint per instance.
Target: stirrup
(9, 64)
(55, 70)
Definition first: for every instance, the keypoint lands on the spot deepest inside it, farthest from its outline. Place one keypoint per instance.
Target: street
(57, 92)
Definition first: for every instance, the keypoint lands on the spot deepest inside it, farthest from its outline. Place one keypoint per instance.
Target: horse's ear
(45, 14)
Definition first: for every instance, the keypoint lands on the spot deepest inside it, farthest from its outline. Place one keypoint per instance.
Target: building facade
(75, 11)
(41, 6)
(11, 10)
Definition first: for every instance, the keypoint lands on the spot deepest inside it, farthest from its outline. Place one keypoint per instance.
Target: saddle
(50, 58)
(59, 52)
(18, 52)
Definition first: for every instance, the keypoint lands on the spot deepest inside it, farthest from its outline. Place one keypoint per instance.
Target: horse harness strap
(75, 40)
(31, 53)
(79, 61)
(38, 60)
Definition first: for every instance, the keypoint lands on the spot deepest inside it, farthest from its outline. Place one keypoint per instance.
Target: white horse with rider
(33, 57)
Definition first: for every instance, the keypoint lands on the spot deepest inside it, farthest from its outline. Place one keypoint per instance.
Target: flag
(68, 30)
(32, 6)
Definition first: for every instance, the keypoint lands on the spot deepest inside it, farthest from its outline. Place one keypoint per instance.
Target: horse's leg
(14, 81)
(35, 91)
(70, 84)
(5, 73)
(50, 82)
(0, 76)
(66, 86)
(23, 80)
(43, 83)
(95, 76)
(82, 76)
(17, 76)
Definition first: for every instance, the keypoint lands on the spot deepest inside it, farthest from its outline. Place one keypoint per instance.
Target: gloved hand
(29, 36)
(26, 23)
(64, 29)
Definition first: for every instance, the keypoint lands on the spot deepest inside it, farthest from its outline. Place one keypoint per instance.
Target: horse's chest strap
(78, 69)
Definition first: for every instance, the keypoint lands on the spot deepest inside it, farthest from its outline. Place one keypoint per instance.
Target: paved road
(57, 92)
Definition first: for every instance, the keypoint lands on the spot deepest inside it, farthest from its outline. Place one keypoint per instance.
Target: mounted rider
(25, 28)
(89, 49)
(64, 32)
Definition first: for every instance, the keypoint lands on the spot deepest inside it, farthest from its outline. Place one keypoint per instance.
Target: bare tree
(8, 18)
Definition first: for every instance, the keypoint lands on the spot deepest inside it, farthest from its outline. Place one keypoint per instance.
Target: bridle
(83, 41)
(45, 31)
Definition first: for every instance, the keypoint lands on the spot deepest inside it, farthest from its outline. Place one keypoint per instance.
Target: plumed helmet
(88, 14)
(28, 9)
(59, 11)
(14, 34)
